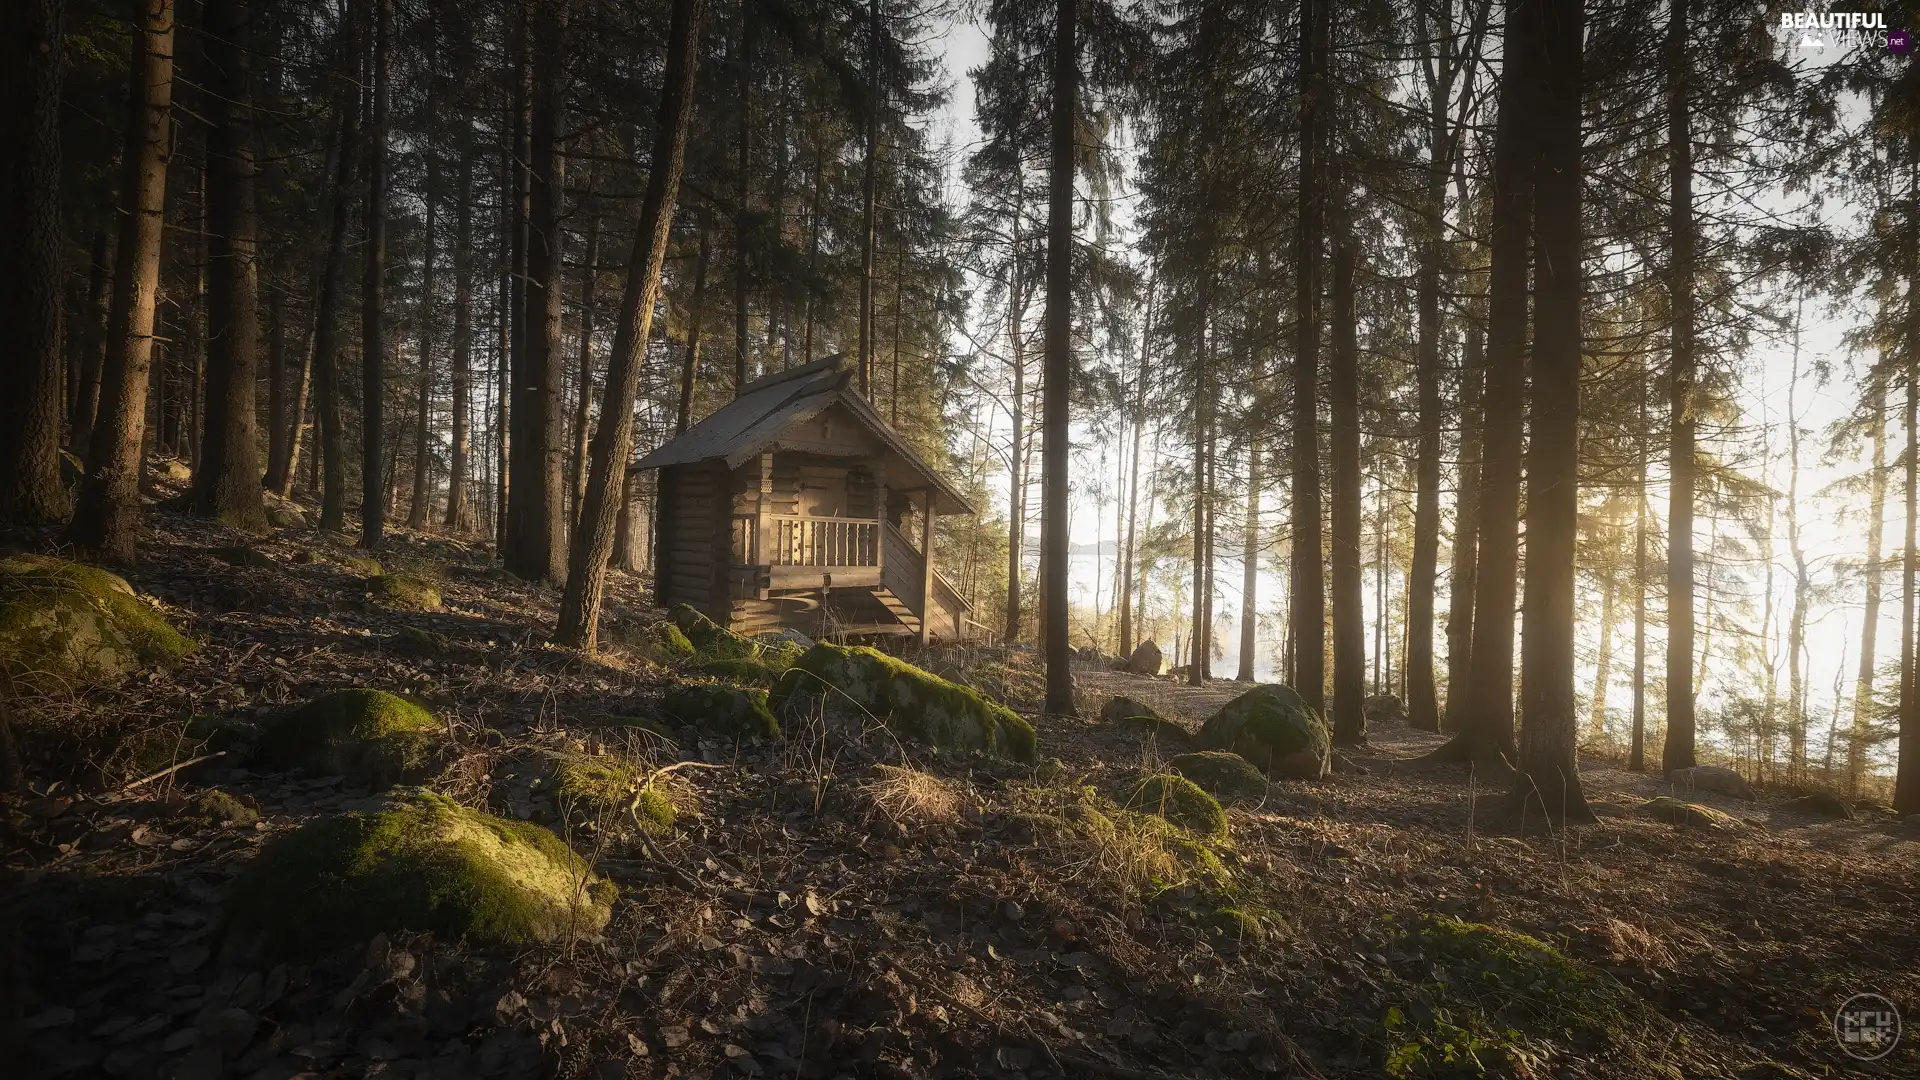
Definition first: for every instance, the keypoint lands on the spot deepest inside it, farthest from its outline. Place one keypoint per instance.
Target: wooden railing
(823, 541)
(746, 540)
(902, 574)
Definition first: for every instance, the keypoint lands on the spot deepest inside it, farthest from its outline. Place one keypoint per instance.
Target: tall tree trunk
(1906, 777)
(613, 437)
(1058, 365)
(696, 313)
(868, 185)
(459, 517)
(1250, 566)
(1637, 739)
(520, 180)
(813, 239)
(1343, 400)
(325, 355)
(1875, 572)
(373, 286)
(1017, 485)
(278, 427)
(1466, 514)
(1802, 581)
(1306, 593)
(420, 506)
(742, 195)
(1549, 730)
(86, 397)
(1423, 706)
(589, 279)
(1139, 422)
(1679, 753)
(535, 496)
(1603, 658)
(32, 407)
(106, 523)
(1485, 729)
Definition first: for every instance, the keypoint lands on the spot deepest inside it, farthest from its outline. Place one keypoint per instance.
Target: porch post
(926, 564)
(880, 518)
(763, 520)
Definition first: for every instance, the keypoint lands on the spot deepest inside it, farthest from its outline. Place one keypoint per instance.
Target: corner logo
(1842, 29)
(1867, 1026)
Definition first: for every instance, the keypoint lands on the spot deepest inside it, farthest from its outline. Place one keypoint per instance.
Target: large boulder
(1274, 729)
(1136, 713)
(1146, 659)
(1711, 778)
(1821, 804)
(421, 863)
(1379, 707)
(710, 639)
(1690, 815)
(64, 625)
(1222, 774)
(722, 710)
(1180, 801)
(369, 736)
(910, 701)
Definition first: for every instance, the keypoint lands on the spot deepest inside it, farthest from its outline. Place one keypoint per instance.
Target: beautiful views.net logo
(1824, 30)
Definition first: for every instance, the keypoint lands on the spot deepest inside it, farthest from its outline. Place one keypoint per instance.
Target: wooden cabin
(796, 506)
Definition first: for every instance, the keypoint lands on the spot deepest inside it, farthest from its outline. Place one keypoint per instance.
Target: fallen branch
(170, 770)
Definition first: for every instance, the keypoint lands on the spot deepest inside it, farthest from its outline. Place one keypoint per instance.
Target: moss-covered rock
(912, 702)
(1274, 729)
(422, 863)
(668, 643)
(64, 625)
(1482, 1001)
(241, 555)
(741, 672)
(1133, 712)
(722, 710)
(1222, 774)
(403, 591)
(1180, 801)
(370, 736)
(598, 786)
(212, 808)
(285, 513)
(710, 639)
(415, 642)
(359, 564)
(1691, 815)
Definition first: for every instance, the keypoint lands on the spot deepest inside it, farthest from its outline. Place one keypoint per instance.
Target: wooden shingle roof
(772, 405)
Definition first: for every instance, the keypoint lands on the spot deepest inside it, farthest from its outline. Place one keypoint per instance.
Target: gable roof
(771, 405)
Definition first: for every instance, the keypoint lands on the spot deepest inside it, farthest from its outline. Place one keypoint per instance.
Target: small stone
(180, 1040)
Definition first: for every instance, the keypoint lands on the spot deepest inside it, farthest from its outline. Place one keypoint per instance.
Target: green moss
(910, 701)
(1692, 815)
(1223, 774)
(415, 642)
(1274, 729)
(741, 672)
(1180, 801)
(213, 807)
(64, 625)
(722, 710)
(710, 639)
(404, 591)
(1487, 1001)
(598, 786)
(243, 556)
(669, 643)
(423, 863)
(370, 736)
(359, 564)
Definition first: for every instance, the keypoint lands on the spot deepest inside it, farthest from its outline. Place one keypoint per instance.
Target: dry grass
(913, 799)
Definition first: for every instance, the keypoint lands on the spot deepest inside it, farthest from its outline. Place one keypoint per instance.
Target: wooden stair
(898, 608)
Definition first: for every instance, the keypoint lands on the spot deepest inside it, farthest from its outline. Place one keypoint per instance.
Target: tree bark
(106, 523)
(226, 484)
(867, 195)
(1059, 364)
(459, 517)
(1485, 730)
(1906, 777)
(613, 437)
(1250, 566)
(86, 396)
(373, 286)
(1637, 739)
(1603, 658)
(1466, 503)
(1017, 484)
(1549, 728)
(1349, 619)
(1139, 422)
(1679, 751)
(1874, 571)
(696, 313)
(420, 505)
(277, 389)
(535, 495)
(1306, 593)
(325, 356)
(589, 279)
(33, 406)
(742, 195)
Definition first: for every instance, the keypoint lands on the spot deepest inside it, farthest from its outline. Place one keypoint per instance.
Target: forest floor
(820, 912)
